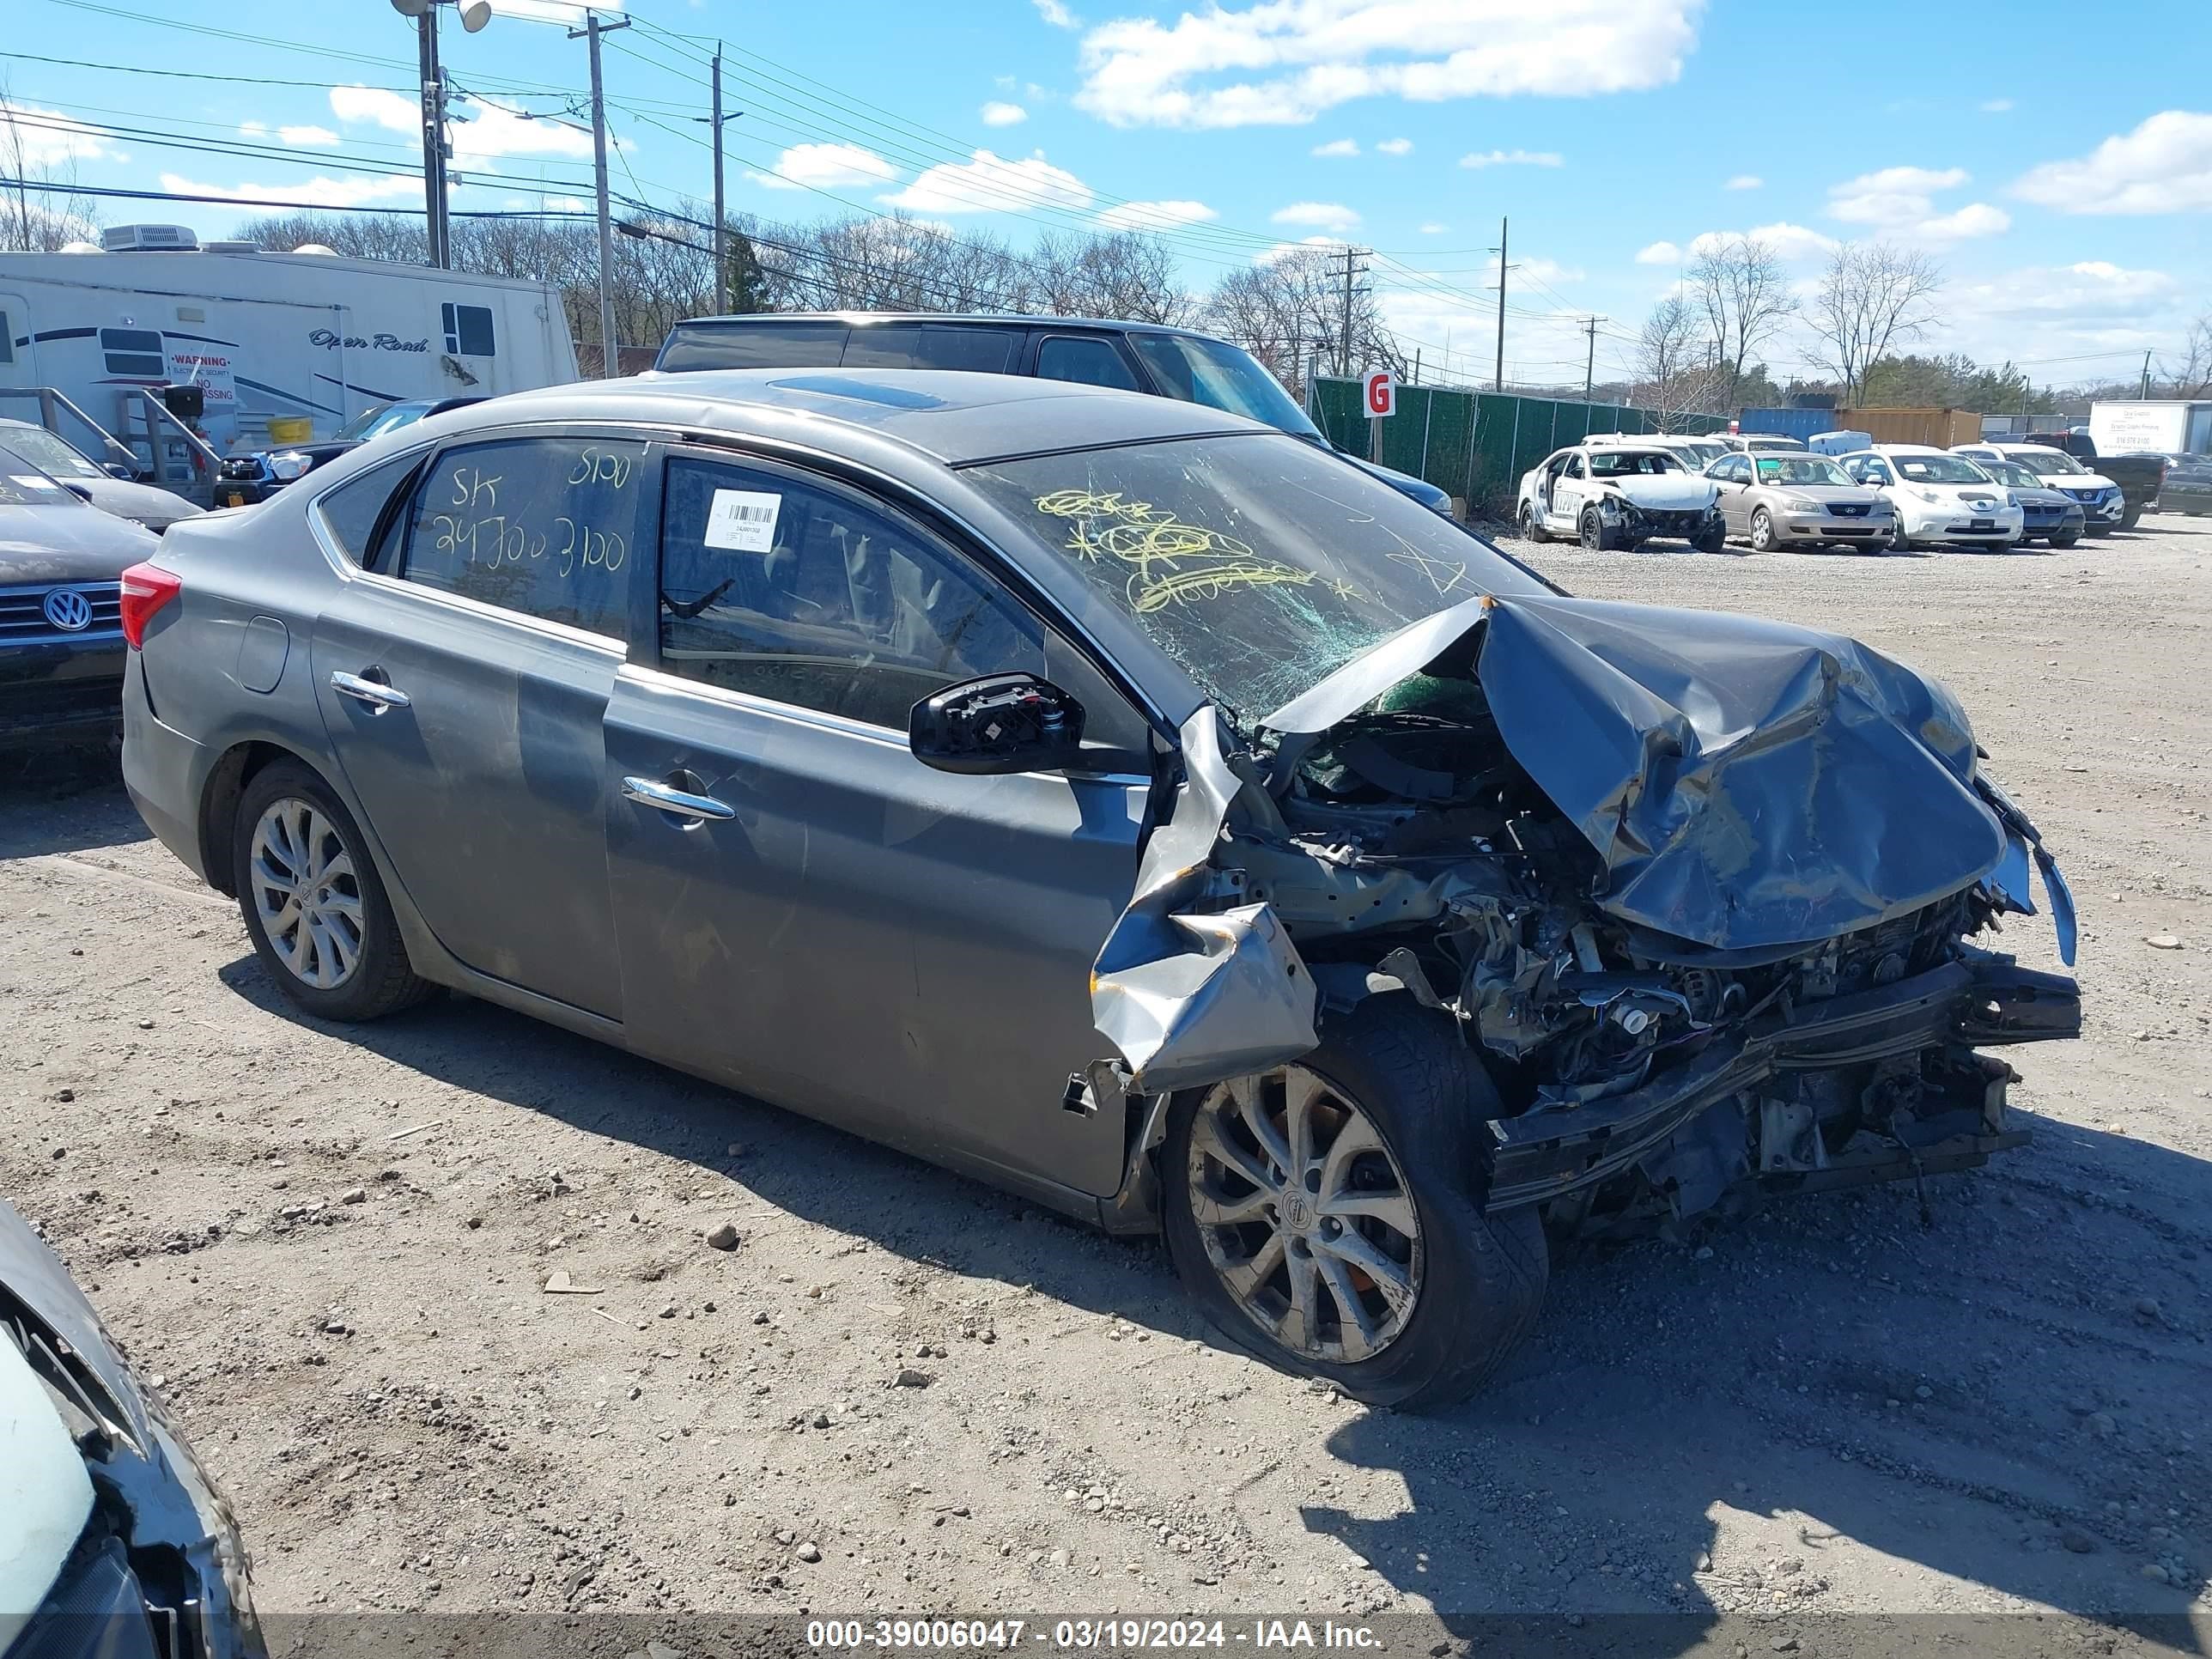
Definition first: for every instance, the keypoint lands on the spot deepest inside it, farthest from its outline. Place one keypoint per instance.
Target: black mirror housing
(999, 724)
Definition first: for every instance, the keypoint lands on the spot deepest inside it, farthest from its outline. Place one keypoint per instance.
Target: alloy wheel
(1762, 532)
(305, 893)
(1304, 1214)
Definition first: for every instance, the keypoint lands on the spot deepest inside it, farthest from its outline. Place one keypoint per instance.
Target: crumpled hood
(1746, 783)
(1664, 492)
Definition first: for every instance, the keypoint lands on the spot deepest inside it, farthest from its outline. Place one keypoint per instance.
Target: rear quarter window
(754, 345)
(931, 345)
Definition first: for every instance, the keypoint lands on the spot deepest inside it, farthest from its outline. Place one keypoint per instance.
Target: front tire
(1592, 534)
(2066, 541)
(2130, 517)
(1327, 1216)
(1762, 531)
(314, 907)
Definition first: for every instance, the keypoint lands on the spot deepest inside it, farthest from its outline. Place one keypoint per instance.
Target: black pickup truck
(2140, 475)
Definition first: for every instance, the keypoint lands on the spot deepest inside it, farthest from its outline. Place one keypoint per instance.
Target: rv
(257, 336)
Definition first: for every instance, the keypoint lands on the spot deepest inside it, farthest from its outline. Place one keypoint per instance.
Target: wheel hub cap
(1304, 1214)
(305, 893)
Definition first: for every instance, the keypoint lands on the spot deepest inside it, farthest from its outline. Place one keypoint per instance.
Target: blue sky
(2057, 160)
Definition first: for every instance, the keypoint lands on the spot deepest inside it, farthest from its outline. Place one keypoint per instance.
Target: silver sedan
(1123, 802)
(1799, 501)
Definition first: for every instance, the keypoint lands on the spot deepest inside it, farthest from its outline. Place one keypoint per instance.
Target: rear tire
(1467, 1285)
(314, 907)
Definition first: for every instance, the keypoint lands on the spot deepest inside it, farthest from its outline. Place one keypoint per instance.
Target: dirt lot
(330, 1249)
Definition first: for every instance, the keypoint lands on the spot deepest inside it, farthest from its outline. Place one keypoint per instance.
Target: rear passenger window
(1086, 359)
(754, 345)
(803, 595)
(545, 527)
(352, 512)
(930, 345)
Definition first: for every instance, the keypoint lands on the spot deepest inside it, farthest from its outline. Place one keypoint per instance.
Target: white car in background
(1758, 443)
(1940, 498)
(1695, 455)
(2103, 504)
(1620, 494)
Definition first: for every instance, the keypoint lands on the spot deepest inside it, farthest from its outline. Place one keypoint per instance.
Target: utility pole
(1590, 363)
(434, 141)
(2146, 389)
(609, 351)
(1498, 380)
(1344, 340)
(721, 236)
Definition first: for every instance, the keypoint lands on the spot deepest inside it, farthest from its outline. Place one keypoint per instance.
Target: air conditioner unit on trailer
(149, 239)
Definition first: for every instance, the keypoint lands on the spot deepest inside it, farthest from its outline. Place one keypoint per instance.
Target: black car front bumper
(1545, 1153)
(61, 690)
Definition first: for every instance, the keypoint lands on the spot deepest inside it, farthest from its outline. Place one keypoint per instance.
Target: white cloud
(1788, 241)
(824, 167)
(1512, 158)
(48, 138)
(1057, 14)
(2165, 165)
(487, 133)
(2042, 313)
(1659, 253)
(1154, 215)
(1434, 227)
(997, 114)
(1321, 215)
(1996, 106)
(1744, 181)
(1900, 202)
(1395, 147)
(990, 184)
(1549, 270)
(317, 192)
(1303, 244)
(1284, 62)
(1337, 147)
(305, 137)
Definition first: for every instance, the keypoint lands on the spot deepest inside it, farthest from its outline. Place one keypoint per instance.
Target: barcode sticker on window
(743, 521)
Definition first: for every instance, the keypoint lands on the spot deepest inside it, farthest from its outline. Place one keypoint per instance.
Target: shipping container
(2171, 426)
(1939, 428)
(1798, 423)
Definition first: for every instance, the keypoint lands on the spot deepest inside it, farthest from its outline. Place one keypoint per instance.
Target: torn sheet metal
(1189, 996)
(1747, 783)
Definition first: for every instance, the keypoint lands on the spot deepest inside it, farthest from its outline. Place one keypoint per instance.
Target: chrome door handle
(668, 800)
(377, 695)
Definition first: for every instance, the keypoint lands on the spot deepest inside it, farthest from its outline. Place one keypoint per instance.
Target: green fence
(1474, 445)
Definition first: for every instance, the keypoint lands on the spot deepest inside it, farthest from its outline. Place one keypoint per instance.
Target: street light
(475, 14)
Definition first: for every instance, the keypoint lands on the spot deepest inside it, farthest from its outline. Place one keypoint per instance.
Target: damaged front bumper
(1550, 1151)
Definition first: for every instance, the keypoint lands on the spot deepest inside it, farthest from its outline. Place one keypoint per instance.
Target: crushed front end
(1707, 899)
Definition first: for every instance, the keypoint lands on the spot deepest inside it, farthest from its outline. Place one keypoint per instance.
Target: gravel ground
(331, 1250)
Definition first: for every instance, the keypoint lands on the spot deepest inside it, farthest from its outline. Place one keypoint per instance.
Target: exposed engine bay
(1419, 845)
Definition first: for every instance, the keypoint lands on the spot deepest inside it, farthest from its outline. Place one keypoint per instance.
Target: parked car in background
(2188, 486)
(2046, 515)
(1800, 501)
(1620, 494)
(1695, 454)
(146, 505)
(1167, 362)
(259, 474)
(1845, 442)
(61, 609)
(115, 1543)
(1744, 443)
(1940, 499)
(2139, 473)
(2104, 505)
(1080, 742)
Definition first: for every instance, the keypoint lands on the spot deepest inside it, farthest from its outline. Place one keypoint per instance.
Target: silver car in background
(1117, 799)
(1799, 501)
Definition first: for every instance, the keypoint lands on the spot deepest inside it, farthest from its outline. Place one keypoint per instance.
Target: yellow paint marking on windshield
(1170, 562)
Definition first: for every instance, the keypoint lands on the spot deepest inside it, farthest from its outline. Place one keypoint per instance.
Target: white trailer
(2172, 426)
(263, 334)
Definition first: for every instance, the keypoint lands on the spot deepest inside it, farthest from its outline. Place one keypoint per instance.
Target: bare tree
(1130, 275)
(1293, 304)
(1873, 297)
(1739, 288)
(1675, 372)
(39, 213)
(2191, 373)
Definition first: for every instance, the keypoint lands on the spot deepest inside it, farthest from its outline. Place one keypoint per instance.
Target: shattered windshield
(50, 454)
(1260, 564)
(1620, 463)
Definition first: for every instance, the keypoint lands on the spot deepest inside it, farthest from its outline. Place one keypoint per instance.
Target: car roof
(954, 319)
(1908, 449)
(952, 416)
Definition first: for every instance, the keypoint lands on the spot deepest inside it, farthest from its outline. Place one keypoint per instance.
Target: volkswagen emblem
(68, 609)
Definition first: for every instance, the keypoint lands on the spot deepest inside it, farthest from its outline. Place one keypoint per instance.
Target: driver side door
(807, 911)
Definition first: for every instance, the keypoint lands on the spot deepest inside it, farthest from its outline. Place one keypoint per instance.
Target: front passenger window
(544, 526)
(802, 594)
(1085, 360)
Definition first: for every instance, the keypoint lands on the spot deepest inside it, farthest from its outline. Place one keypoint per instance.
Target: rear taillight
(146, 589)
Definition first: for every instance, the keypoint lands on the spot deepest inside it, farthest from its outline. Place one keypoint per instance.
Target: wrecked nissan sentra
(1123, 803)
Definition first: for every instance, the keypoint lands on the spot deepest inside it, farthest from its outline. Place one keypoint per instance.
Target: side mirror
(998, 724)
(117, 470)
(78, 490)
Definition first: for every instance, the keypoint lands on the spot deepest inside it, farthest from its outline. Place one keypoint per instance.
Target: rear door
(814, 916)
(464, 692)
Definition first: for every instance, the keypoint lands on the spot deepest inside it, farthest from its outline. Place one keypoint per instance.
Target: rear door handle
(681, 802)
(376, 693)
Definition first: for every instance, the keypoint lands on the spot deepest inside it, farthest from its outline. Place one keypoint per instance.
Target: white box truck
(2171, 426)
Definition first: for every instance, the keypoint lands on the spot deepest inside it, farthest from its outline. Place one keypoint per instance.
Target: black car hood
(72, 544)
(1746, 783)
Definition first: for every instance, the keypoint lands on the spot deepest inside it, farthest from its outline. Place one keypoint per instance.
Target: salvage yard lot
(331, 1248)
